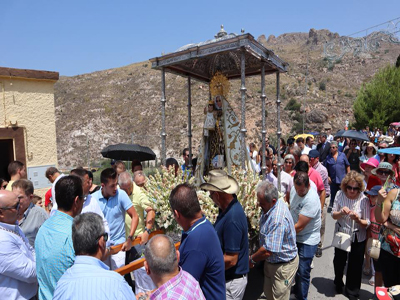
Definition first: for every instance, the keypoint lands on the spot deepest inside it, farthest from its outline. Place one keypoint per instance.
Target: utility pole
(305, 93)
(88, 155)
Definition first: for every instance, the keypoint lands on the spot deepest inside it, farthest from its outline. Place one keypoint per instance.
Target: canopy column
(264, 131)
(243, 108)
(190, 166)
(278, 128)
(163, 133)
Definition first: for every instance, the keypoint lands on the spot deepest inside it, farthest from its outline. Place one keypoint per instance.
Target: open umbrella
(394, 150)
(354, 134)
(128, 152)
(397, 124)
(303, 135)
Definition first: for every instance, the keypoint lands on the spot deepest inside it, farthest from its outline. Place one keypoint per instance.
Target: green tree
(377, 103)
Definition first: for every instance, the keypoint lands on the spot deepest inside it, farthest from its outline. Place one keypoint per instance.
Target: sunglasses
(105, 235)
(288, 162)
(384, 173)
(333, 147)
(352, 188)
(4, 186)
(16, 206)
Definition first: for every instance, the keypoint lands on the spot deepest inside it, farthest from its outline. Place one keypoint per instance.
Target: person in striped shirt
(278, 243)
(162, 266)
(351, 209)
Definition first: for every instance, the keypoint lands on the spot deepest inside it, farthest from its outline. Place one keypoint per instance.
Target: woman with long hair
(369, 151)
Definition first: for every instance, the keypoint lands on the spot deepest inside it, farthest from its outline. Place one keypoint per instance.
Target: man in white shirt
(17, 258)
(302, 146)
(90, 204)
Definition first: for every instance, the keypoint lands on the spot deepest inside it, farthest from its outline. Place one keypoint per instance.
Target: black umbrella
(340, 133)
(128, 152)
(354, 134)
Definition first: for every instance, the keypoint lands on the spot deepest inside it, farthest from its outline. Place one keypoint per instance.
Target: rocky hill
(123, 104)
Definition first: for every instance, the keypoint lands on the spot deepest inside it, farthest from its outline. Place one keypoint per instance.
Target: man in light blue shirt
(114, 203)
(305, 208)
(89, 277)
(54, 249)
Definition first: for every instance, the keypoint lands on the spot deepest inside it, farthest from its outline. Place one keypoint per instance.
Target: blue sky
(77, 36)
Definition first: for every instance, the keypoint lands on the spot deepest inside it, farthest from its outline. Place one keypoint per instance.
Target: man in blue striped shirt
(89, 277)
(54, 250)
(278, 243)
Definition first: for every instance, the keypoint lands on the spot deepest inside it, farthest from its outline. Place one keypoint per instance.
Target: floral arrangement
(159, 187)
(247, 197)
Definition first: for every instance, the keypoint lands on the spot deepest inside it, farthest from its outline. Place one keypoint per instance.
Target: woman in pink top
(373, 232)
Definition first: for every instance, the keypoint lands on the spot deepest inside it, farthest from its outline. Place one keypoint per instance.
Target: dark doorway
(6, 156)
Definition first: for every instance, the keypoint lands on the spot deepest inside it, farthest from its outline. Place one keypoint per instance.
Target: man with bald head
(162, 266)
(142, 205)
(145, 213)
(17, 257)
(139, 178)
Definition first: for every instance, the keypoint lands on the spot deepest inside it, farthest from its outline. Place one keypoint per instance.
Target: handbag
(373, 248)
(343, 240)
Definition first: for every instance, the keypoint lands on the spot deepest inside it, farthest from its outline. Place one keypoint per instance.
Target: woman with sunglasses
(351, 209)
(288, 164)
(385, 173)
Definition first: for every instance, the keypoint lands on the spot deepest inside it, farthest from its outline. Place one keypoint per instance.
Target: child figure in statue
(209, 123)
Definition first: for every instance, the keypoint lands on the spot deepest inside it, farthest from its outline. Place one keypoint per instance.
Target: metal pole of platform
(190, 166)
(163, 133)
(278, 128)
(264, 131)
(243, 94)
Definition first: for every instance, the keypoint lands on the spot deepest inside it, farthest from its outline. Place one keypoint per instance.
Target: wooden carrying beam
(136, 264)
(115, 249)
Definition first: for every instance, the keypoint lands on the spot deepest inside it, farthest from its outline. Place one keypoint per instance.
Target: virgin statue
(220, 146)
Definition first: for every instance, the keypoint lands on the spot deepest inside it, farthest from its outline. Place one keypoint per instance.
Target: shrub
(293, 105)
(376, 100)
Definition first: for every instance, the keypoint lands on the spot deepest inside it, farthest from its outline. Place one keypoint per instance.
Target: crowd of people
(62, 251)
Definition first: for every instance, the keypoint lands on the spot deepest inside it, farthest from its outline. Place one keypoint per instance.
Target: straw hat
(219, 181)
(384, 166)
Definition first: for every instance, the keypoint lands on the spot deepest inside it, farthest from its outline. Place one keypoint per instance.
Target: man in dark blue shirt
(231, 227)
(200, 251)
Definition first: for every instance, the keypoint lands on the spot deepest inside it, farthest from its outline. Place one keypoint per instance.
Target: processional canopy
(221, 54)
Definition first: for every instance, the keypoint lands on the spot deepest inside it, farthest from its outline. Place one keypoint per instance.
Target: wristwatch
(130, 237)
(251, 260)
(147, 230)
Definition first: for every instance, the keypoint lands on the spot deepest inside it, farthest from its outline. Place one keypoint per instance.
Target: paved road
(322, 275)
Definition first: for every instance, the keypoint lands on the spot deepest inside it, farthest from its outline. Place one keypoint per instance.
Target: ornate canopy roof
(223, 53)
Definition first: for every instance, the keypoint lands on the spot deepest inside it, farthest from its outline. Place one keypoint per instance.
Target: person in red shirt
(315, 177)
(48, 202)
